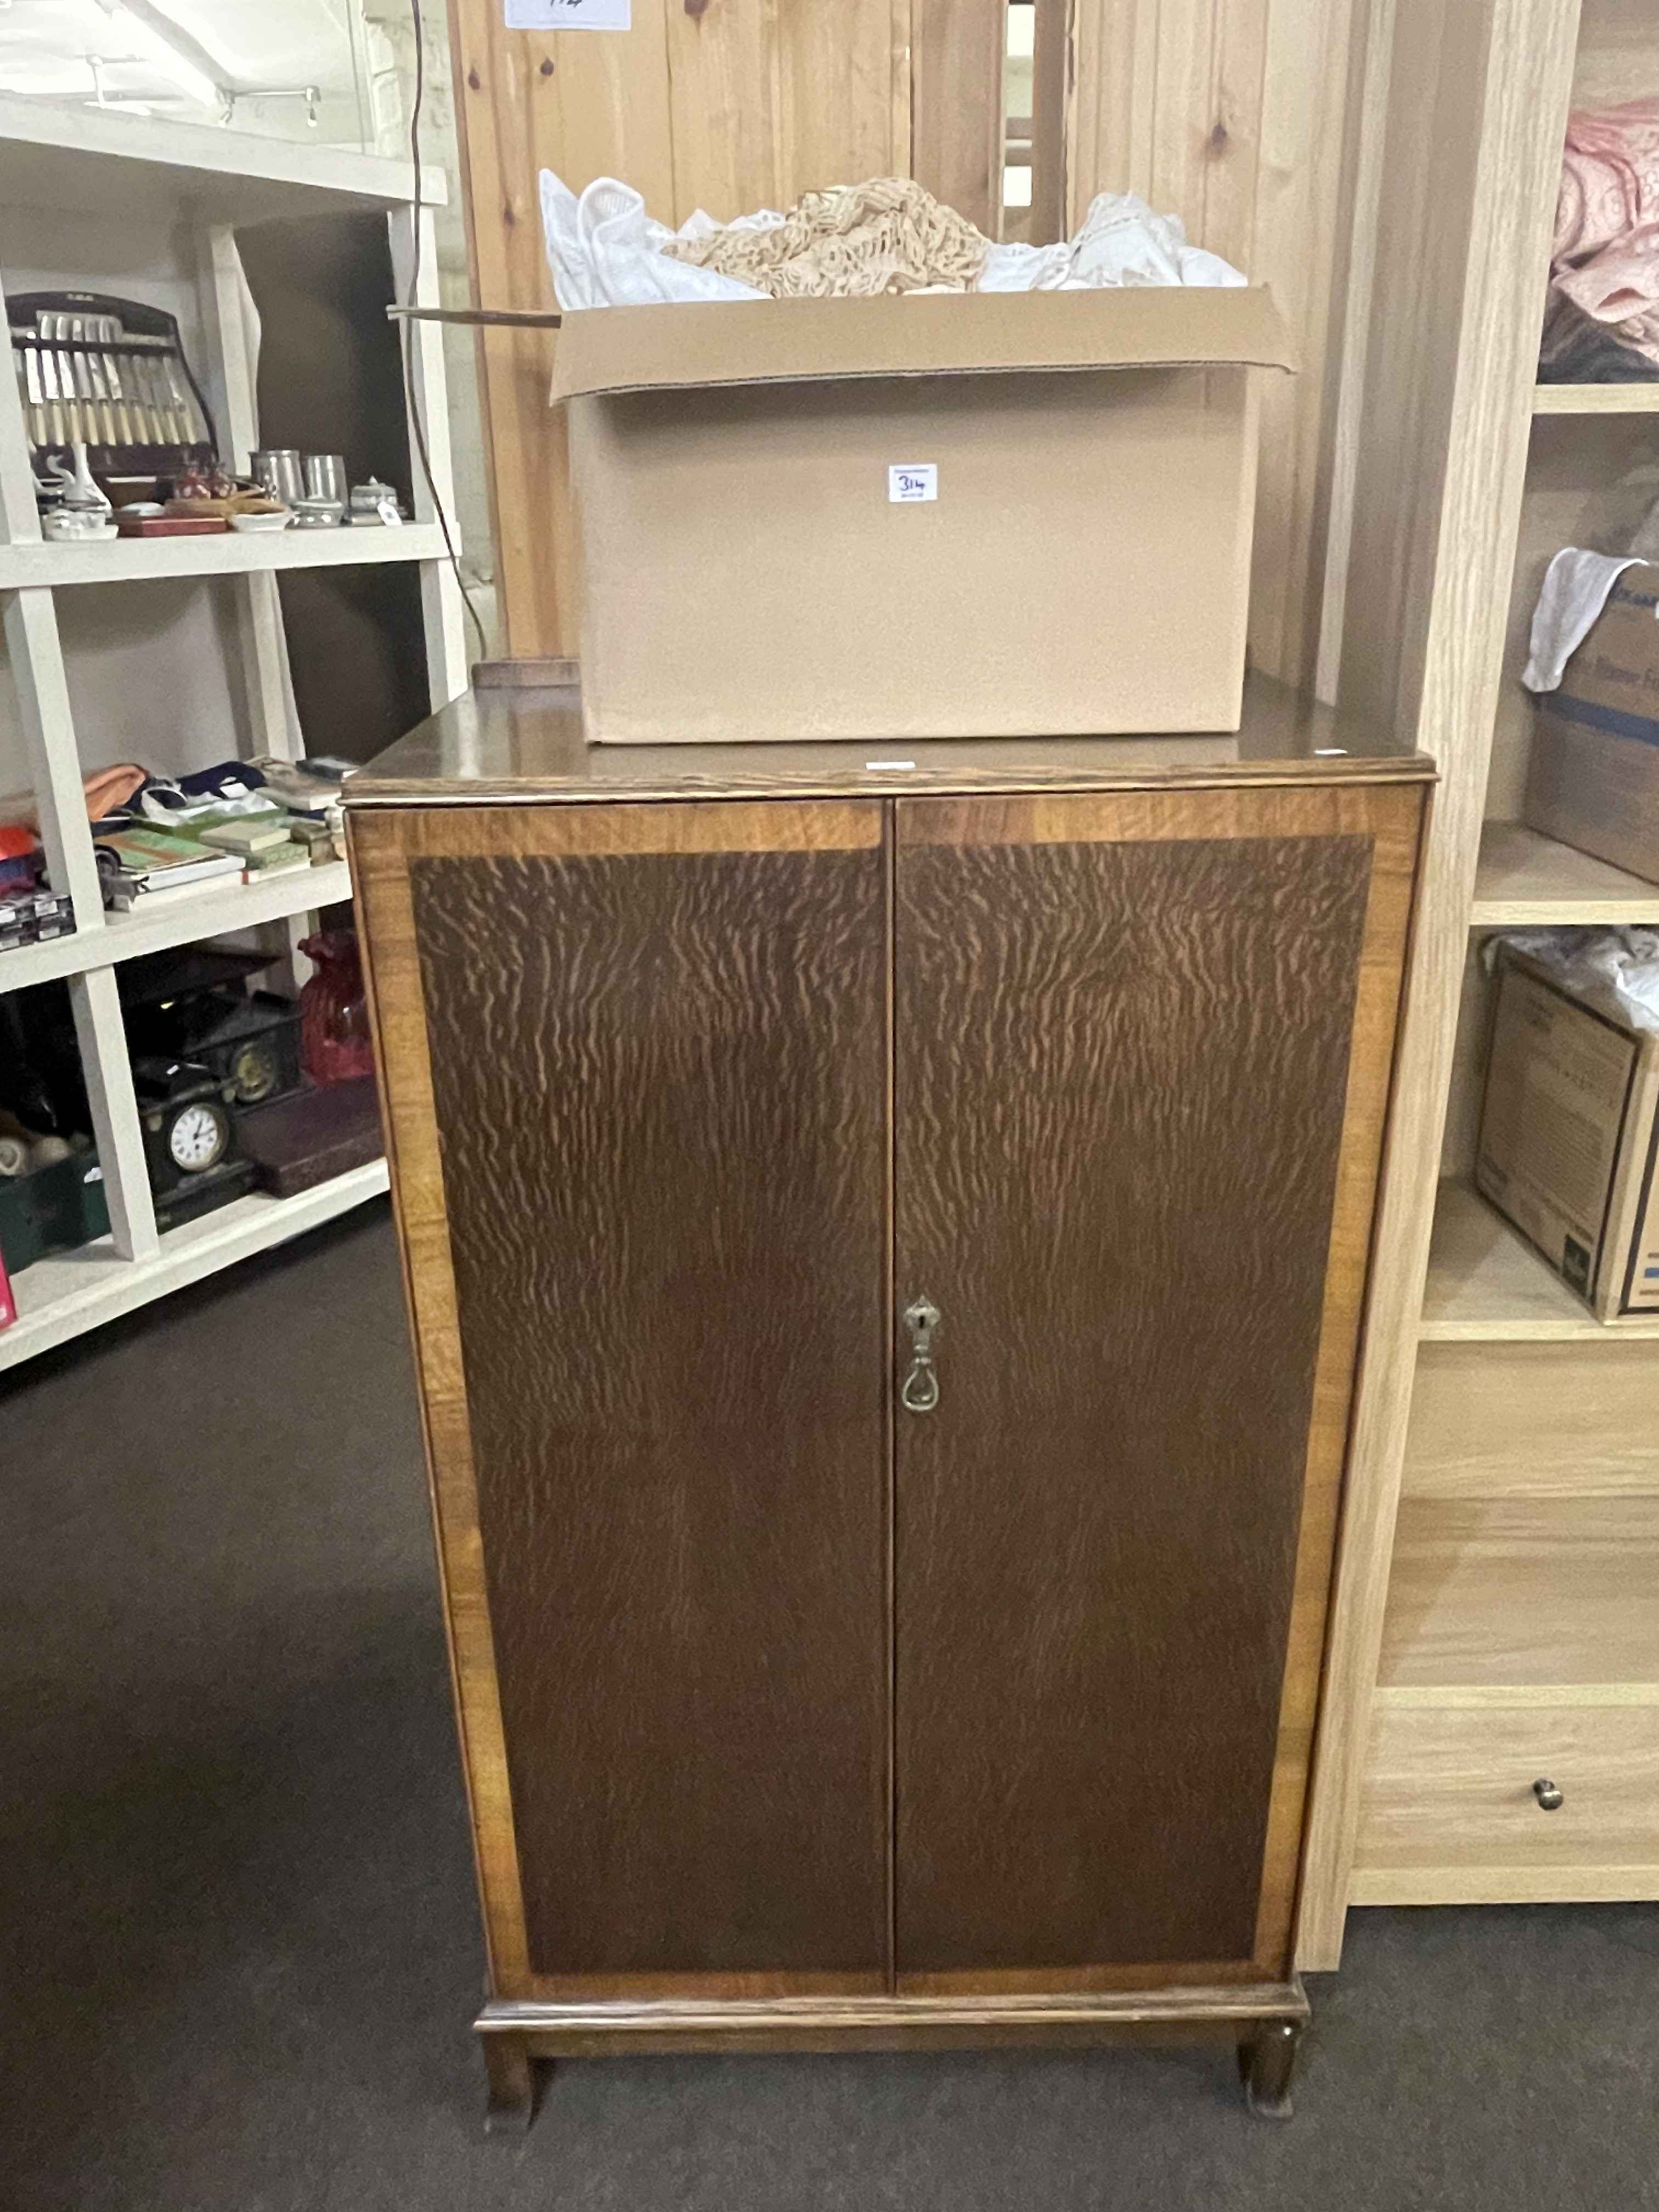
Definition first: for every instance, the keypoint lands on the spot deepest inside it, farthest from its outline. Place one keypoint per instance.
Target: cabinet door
(1143, 1043)
(654, 1042)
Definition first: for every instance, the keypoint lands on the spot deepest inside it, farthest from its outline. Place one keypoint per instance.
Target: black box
(51, 1209)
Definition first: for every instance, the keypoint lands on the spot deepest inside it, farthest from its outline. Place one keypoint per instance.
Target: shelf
(209, 909)
(1522, 1592)
(1596, 399)
(1486, 1285)
(142, 560)
(1511, 1697)
(92, 160)
(1527, 879)
(59, 1297)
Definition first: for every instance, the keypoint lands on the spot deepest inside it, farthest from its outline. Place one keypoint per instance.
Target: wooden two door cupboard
(886, 1246)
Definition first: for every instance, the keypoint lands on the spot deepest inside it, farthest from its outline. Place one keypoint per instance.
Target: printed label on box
(569, 14)
(909, 481)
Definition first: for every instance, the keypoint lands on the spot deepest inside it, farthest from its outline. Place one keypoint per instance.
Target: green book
(195, 826)
(270, 858)
(150, 860)
(247, 833)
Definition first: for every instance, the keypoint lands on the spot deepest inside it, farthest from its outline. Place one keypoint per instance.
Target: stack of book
(153, 859)
(148, 862)
(261, 842)
(310, 790)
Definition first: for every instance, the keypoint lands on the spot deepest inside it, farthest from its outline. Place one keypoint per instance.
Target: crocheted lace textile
(885, 235)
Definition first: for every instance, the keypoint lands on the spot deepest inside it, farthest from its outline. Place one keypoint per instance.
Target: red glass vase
(334, 1040)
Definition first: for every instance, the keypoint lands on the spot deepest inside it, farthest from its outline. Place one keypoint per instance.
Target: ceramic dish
(77, 530)
(254, 525)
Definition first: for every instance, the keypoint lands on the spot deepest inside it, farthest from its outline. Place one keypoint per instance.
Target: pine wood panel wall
(1233, 115)
(1231, 112)
(727, 105)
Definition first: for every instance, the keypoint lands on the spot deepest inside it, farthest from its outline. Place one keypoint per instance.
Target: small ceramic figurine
(83, 511)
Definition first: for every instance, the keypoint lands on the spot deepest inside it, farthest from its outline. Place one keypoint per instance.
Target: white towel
(1575, 591)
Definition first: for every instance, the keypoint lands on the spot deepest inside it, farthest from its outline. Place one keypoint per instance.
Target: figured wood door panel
(1130, 1032)
(657, 1040)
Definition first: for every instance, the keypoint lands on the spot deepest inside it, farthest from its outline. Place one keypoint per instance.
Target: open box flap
(681, 346)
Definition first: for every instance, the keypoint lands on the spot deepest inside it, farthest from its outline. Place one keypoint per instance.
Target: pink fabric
(1605, 257)
(1620, 285)
(1609, 176)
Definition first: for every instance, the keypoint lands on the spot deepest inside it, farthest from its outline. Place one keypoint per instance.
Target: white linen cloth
(1575, 591)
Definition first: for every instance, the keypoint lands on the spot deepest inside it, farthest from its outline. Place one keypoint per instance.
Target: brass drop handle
(919, 1392)
(1548, 1796)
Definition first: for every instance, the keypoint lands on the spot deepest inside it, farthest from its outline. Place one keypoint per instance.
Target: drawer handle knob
(1548, 1796)
(919, 1393)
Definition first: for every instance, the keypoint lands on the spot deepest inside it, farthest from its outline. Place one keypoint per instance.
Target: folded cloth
(1609, 177)
(106, 788)
(1575, 349)
(1620, 286)
(1606, 256)
(225, 780)
(887, 235)
(1575, 591)
(606, 251)
(1122, 241)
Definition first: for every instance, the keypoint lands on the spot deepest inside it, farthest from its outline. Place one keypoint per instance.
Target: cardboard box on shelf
(1593, 781)
(1568, 1133)
(970, 514)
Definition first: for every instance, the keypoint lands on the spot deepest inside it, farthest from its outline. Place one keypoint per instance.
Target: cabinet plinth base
(1246, 2012)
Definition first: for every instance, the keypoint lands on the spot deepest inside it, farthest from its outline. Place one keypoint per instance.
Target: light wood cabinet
(886, 1252)
(1498, 1606)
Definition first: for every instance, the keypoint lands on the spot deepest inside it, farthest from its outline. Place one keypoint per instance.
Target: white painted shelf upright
(212, 181)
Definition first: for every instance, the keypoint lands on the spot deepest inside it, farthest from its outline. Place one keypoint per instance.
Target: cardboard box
(1568, 1135)
(1594, 777)
(971, 515)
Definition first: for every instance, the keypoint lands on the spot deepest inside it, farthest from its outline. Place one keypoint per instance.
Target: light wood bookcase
(203, 184)
(1497, 1618)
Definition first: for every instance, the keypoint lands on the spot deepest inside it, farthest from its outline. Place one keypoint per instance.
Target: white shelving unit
(207, 183)
(70, 1293)
(140, 560)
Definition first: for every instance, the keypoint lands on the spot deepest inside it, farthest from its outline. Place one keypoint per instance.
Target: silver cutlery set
(86, 374)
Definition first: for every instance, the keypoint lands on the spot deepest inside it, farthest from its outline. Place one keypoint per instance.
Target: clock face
(197, 1138)
(254, 1069)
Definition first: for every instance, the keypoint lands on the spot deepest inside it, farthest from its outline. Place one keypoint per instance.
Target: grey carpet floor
(239, 1942)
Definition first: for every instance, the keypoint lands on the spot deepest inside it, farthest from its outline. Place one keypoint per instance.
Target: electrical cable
(412, 302)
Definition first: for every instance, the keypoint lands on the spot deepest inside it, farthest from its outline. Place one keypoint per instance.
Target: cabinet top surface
(527, 744)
